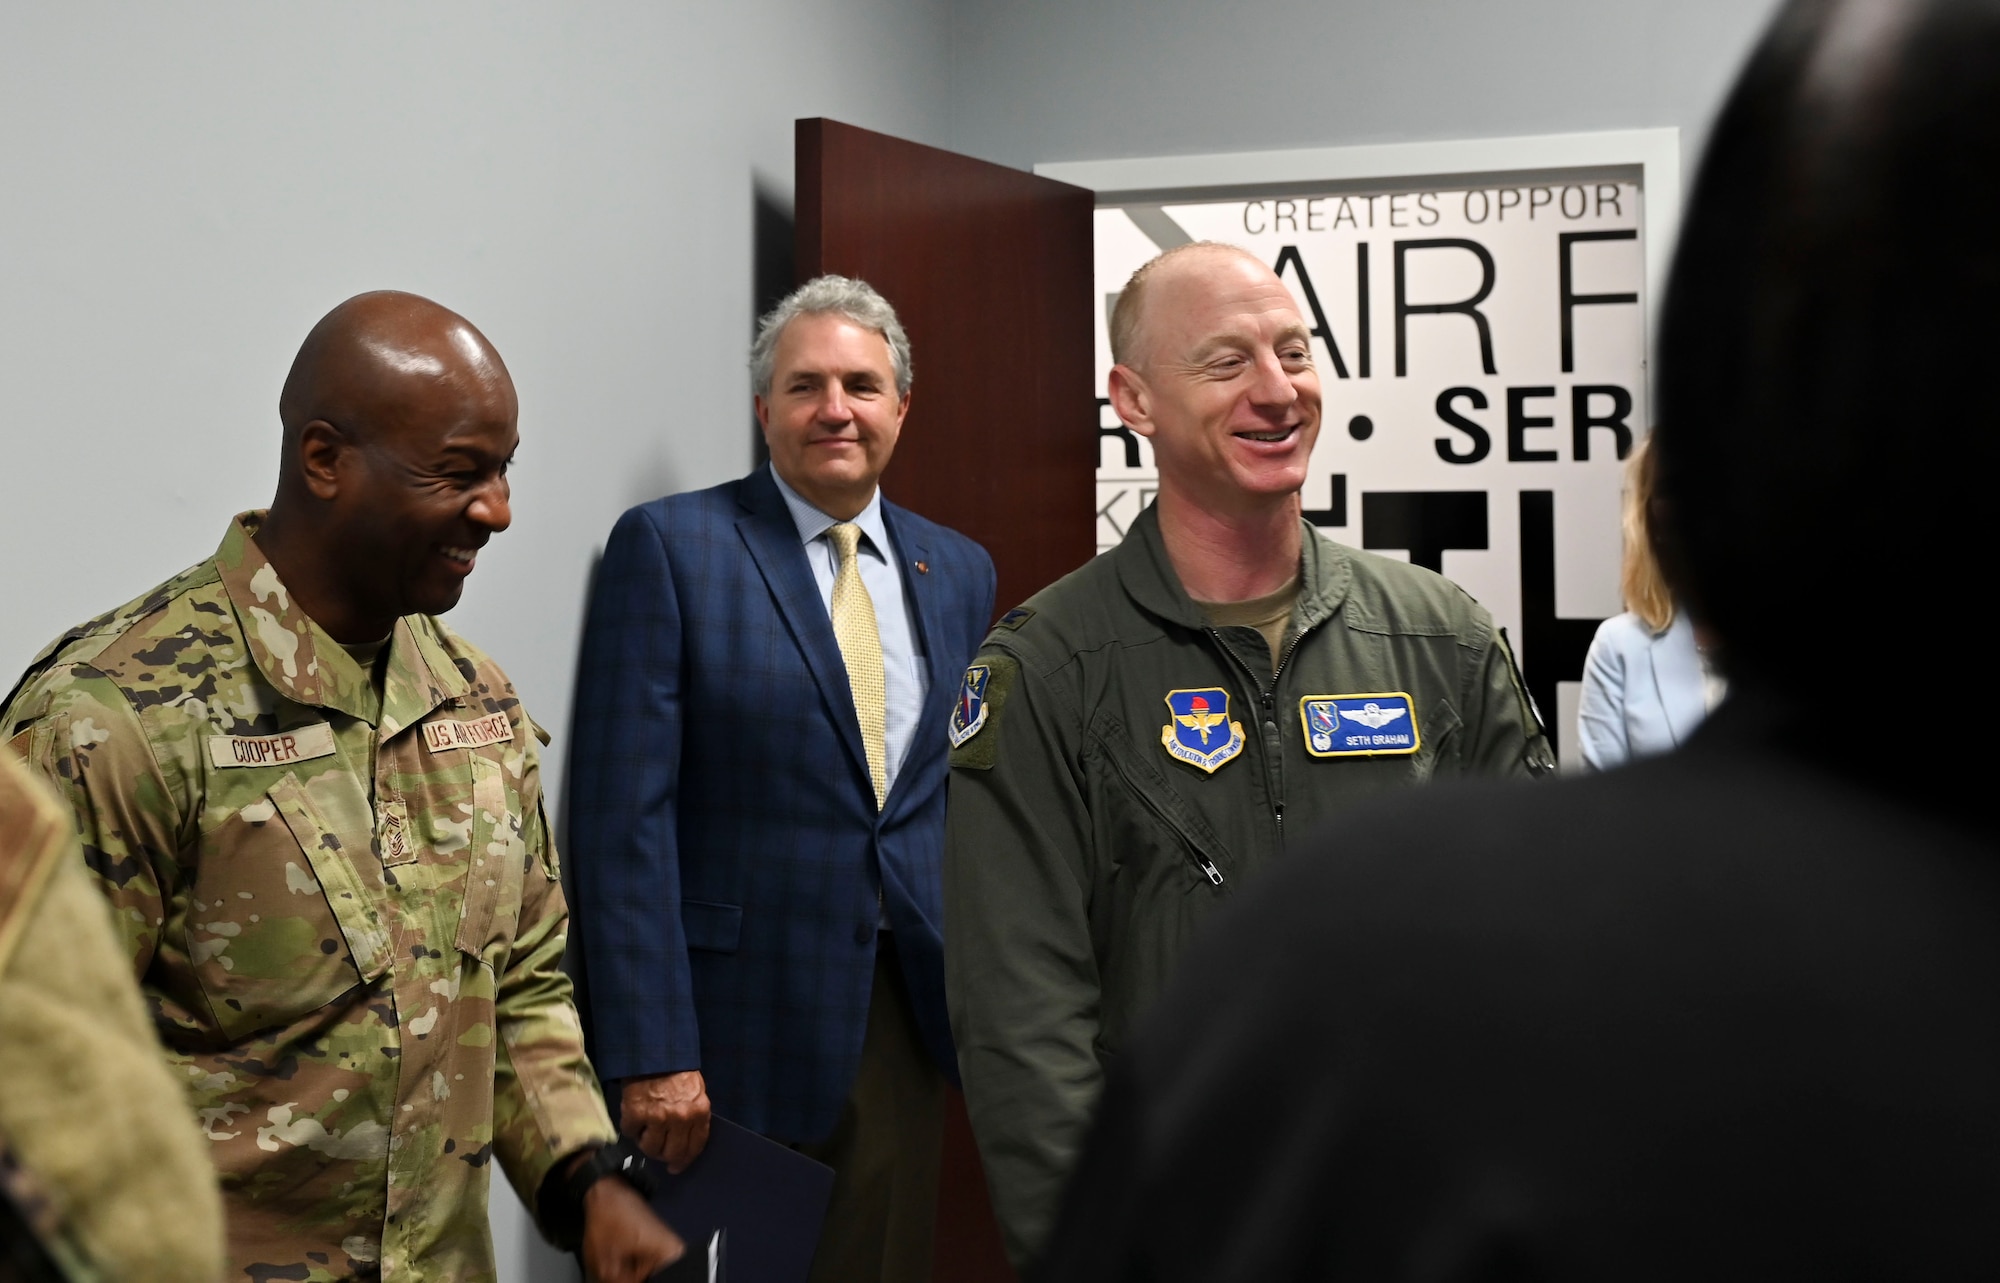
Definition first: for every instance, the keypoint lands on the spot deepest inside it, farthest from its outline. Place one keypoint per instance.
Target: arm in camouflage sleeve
(546, 1101)
(1020, 970)
(129, 811)
(86, 1089)
(1504, 737)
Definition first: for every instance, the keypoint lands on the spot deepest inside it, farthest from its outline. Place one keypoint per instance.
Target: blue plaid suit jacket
(724, 842)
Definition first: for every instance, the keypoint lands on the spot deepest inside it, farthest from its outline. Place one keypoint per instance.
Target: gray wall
(1043, 80)
(184, 190)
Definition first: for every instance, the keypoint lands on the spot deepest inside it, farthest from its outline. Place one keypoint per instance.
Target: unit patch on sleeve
(974, 728)
(969, 714)
(1360, 725)
(1198, 729)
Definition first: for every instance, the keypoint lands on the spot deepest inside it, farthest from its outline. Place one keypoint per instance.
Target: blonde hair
(1640, 580)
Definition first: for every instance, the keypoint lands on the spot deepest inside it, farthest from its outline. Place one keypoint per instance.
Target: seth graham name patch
(1360, 725)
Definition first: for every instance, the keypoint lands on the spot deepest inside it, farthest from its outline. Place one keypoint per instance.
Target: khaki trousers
(886, 1149)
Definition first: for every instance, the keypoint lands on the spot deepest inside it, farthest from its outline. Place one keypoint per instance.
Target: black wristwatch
(563, 1191)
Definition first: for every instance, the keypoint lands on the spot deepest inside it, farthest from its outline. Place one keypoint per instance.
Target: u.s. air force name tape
(300, 745)
(445, 734)
(1374, 724)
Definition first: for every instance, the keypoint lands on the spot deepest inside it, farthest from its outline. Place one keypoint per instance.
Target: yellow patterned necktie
(860, 641)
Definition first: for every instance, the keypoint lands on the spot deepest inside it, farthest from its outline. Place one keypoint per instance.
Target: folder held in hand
(749, 1209)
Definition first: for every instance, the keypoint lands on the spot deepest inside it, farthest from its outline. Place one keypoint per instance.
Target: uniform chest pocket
(282, 923)
(1151, 832)
(496, 856)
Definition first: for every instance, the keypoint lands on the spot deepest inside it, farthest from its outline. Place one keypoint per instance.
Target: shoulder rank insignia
(1360, 725)
(969, 714)
(1198, 729)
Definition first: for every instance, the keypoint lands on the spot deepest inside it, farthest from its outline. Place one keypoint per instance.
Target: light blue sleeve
(1600, 719)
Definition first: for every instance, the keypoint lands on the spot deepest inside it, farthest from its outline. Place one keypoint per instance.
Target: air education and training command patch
(969, 714)
(1360, 725)
(1198, 729)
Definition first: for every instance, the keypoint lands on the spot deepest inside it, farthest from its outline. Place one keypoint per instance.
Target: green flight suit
(1081, 854)
(341, 903)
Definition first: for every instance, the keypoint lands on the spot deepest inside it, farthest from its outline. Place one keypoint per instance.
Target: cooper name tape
(301, 745)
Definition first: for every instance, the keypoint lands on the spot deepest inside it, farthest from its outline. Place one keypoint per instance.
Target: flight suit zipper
(1266, 700)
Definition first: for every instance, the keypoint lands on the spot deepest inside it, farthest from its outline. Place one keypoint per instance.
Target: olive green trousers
(885, 1150)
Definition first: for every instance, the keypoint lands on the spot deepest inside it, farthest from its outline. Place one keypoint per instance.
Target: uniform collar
(813, 523)
(305, 665)
(1149, 577)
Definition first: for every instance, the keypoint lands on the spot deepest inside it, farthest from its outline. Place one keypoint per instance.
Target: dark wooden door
(990, 271)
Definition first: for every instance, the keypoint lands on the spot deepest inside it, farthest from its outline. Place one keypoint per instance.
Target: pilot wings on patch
(1366, 725)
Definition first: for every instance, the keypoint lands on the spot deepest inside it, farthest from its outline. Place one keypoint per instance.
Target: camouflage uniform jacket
(343, 908)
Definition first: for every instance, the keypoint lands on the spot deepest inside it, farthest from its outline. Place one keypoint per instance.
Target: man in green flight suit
(1138, 738)
(317, 815)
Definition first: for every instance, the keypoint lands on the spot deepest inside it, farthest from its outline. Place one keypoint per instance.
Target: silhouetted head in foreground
(399, 422)
(1830, 425)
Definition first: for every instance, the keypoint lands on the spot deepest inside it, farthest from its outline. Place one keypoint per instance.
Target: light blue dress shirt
(905, 679)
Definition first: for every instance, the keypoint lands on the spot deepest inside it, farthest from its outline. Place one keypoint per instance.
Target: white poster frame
(1462, 162)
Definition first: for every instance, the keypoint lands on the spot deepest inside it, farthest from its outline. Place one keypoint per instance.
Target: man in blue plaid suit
(759, 791)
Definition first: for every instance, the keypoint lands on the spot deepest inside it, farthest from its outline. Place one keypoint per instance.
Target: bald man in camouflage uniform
(323, 834)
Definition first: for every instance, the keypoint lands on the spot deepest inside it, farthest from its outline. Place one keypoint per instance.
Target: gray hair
(858, 301)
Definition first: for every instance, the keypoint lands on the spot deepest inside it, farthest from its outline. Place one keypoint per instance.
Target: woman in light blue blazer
(1646, 683)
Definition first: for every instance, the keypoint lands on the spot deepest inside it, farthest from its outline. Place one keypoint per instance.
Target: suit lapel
(925, 589)
(772, 537)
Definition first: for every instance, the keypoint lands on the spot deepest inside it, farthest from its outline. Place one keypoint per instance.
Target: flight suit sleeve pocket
(1441, 741)
(353, 906)
(715, 927)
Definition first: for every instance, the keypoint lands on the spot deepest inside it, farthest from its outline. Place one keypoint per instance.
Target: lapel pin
(923, 568)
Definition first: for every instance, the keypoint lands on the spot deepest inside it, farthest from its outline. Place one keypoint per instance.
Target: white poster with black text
(1482, 357)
